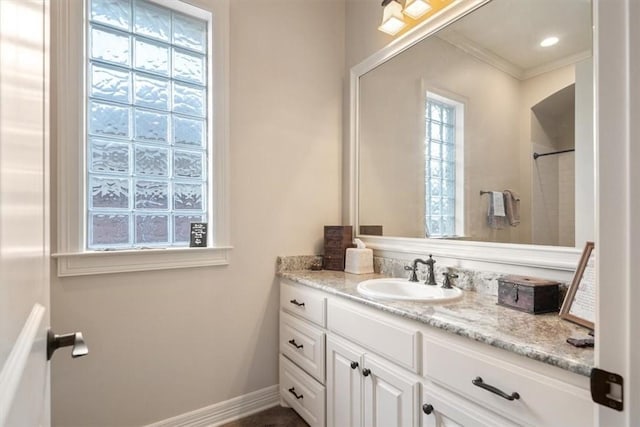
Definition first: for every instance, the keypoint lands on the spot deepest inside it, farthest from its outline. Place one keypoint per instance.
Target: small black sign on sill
(198, 235)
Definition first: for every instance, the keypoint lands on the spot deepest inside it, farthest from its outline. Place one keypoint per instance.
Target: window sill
(103, 262)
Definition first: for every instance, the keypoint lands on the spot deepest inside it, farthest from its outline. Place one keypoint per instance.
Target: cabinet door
(440, 408)
(391, 396)
(344, 384)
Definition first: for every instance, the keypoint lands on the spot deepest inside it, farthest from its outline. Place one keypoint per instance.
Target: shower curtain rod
(536, 155)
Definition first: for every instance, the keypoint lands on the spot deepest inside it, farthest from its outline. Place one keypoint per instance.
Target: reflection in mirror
(449, 127)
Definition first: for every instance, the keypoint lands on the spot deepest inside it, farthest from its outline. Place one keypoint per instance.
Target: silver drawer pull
(479, 383)
(292, 390)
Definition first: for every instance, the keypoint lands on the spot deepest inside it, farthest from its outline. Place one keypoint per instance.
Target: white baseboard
(227, 411)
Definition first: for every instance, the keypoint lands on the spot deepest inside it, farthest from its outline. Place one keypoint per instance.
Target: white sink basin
(402, 289)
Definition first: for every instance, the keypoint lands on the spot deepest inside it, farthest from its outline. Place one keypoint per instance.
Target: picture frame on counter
(579, 305)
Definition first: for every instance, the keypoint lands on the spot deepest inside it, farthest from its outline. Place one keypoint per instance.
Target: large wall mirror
(476, 131)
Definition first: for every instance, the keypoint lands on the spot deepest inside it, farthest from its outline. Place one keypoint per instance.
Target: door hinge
(607, 389)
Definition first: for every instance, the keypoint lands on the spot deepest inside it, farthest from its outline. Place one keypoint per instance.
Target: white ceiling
(510, 31)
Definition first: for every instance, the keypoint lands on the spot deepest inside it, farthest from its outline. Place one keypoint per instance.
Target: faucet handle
(447, 280)
(413, 277)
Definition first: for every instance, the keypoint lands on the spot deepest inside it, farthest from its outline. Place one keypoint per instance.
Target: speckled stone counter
(476, 316)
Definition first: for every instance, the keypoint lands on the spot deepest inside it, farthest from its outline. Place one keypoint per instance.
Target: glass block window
(146, 124)
(441, 156)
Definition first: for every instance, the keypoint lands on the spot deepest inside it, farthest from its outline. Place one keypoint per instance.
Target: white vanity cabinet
(373, 375)
(302, 351)
(359, 366)
(365, 390)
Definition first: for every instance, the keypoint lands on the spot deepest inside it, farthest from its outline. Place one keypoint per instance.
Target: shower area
(553, 171)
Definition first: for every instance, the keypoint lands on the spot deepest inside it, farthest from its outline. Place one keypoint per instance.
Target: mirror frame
(525, 255)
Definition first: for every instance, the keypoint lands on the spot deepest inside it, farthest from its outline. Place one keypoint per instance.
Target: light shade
(549, 41)
(392, 19)
(416, 8)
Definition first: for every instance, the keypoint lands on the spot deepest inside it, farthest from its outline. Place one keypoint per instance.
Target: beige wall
(585, 204)
(566, 199)
(553, 128)
(167, 342)
(540, 179)
(362, 35)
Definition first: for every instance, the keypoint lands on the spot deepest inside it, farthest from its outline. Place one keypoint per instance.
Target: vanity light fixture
(416, 8)
(392, 19)
(549, 41)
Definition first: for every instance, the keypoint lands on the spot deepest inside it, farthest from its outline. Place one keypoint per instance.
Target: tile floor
(272, 417)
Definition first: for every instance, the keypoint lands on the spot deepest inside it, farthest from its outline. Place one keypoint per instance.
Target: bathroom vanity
(348, 360)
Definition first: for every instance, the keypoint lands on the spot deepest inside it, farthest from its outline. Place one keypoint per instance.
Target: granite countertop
(476, 316)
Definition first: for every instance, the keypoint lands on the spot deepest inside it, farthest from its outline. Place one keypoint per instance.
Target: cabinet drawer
(441, 408)
(543, 401)
(392, 340)
(303, 343)
(304, 394)
(303, 302)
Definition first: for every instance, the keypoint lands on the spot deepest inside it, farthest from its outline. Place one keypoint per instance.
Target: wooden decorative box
(337, 238)
(528, 294)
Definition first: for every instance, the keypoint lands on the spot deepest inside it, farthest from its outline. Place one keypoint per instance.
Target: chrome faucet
(413, 277)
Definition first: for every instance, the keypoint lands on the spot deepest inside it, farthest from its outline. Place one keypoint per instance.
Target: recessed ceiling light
(549, 41)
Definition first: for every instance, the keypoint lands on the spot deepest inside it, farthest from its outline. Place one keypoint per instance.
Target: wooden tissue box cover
(528, 294)
(337, 238)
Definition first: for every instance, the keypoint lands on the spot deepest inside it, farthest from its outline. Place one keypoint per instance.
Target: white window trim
(69, 98)
(459, 102)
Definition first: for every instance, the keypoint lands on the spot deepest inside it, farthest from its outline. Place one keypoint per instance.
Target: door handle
(74, 339)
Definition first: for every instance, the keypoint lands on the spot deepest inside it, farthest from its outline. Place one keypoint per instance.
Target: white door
(24, 213)
(617, 50)
(344, 384)
(390, 396)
